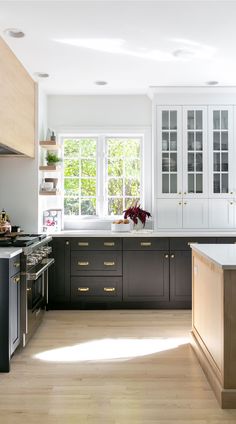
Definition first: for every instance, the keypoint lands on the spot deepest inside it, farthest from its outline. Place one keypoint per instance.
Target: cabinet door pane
(224, 183)
(165, 119)
(190, 183)
(199, 183)
(173, 141)
(173, 183)
(220, 151)
(169, 151)
(165, 183)
(216, 182)
(173, 120)
(195, 150)
(216, 119)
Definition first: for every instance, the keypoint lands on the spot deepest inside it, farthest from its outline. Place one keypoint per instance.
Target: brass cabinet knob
(166, 256)
(172, 256)
(180, 192)
(67, 243)
(185, 203)
(180, 203)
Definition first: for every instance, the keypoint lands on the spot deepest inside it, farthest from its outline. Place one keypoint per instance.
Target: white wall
(95, 111)
(19, 182)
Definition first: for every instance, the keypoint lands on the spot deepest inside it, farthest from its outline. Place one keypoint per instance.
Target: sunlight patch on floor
(111, 349)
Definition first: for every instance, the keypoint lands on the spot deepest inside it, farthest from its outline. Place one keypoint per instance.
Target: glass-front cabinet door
(221, 158)
(195, 151)
(169, 172)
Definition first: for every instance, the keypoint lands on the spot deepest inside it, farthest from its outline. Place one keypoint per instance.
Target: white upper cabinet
(221, 152)
(194, 153)
(169, 149)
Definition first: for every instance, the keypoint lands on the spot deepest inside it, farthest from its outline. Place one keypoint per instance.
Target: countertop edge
(9, 252)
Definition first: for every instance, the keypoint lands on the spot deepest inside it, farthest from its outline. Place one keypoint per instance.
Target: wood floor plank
(122, 382)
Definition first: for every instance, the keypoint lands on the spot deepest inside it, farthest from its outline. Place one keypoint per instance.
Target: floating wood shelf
(49, 193)
(48, 168)
(49, 144)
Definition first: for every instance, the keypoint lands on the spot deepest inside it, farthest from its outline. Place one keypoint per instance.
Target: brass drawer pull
(17, 264)
(16, 279)
(109, 243)
(83, 263)
(83, 289)
(83, 243)
(109, 289)
(145, 243)
(109, 263)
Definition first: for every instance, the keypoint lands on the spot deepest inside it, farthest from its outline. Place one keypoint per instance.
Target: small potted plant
(137, 215)
(52, 158)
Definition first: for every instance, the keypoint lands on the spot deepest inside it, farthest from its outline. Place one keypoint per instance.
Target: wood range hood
(17, 107)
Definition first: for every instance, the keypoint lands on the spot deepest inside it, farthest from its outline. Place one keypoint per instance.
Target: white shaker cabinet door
(169, 213)
(195, 213)
(221, 213)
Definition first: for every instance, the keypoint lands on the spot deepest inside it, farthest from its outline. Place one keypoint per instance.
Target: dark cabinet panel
(96, 263)
(180, 276)
(145, 276)
(226, 240)
(97, 243)
(145, 243)
(14, 312)
(96, 289)
(183, 243)
(59, 273)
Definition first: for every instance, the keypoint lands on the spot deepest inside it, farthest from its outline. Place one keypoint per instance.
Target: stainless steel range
(35, 263)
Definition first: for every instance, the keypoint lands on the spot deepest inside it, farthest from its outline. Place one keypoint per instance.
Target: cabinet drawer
(96, 263)
(14, 265)
(96, 243)
(183, 243)
(94, 289)
(146, 243)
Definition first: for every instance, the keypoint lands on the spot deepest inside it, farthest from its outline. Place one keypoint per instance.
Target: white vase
(139, 226)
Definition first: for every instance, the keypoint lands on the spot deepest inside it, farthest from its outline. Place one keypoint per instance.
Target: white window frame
(74, 222)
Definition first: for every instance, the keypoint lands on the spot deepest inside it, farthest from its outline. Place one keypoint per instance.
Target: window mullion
(101, 175)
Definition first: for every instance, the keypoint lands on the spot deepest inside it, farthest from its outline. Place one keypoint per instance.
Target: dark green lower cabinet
(145, 276)
(59, 273)
(14, 312)
(180, 276)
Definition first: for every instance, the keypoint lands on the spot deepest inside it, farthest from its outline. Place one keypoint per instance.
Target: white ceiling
(129, 44)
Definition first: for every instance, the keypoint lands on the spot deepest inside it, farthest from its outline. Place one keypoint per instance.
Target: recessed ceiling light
(41, 75)
(100, 82)
(14, 32)
(183, 53)
(212, 82)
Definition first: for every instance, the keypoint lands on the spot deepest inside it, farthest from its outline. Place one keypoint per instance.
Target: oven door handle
(46, 264)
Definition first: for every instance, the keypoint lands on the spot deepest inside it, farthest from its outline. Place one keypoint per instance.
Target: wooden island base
(214, 324)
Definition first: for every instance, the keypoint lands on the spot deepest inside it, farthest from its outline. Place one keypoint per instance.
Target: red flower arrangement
(136, 213)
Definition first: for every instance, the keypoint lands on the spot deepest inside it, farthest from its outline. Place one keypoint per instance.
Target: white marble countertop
(143, 233)
(223, 255)
(9, 252)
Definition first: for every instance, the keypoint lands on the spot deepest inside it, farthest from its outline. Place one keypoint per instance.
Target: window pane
(132, 187)
(216, 140)
(115, 147)
(165, 119)
(190, 183)
(115, 206)
(165, 141)
(198, 140)
(199, 185)
(216, 119)
(132, 147)
(88, 207)
(173, 183)
(132, 168)
(190, 140)
(115, 187)
(198, 119)
(88, 168)
(115, 167)
(224, 119)
(71, 206)
(173, 119)
(165, 183)
(71, 168)
(71, 148)
(224, 140)
(131, 201)
(216, 183)
(88, 187)
(190, 119)
(88, 147)
(173, 141)
(71, 186)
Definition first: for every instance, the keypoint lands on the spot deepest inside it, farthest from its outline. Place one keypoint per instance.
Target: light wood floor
(165, 387)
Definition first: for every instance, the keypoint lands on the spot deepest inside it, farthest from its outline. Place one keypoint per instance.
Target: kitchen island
(214, 317)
